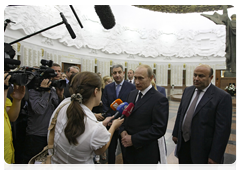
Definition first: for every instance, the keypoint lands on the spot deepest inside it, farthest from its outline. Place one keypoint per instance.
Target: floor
(230, 153)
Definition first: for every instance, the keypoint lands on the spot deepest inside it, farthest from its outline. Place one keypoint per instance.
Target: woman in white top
(78, 134)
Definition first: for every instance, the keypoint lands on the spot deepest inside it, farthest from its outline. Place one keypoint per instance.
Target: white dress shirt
(94, 137)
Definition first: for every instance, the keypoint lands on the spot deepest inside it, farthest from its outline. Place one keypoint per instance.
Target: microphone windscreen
(70, 30)
(11, 61)
(126, 112)
(105, 15)
(122, 106)
(115, 104)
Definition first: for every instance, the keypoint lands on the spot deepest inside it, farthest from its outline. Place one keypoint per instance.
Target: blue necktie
(117, 90)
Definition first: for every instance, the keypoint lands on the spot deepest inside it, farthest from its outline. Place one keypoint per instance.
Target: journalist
(78, 134)
(11, 112)
(42, 103)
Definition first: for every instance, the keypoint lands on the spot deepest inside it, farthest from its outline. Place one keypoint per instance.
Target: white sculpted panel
(118, 40)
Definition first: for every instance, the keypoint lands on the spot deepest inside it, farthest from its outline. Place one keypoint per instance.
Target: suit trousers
(33, 145)
(184, 158)
(113, 146)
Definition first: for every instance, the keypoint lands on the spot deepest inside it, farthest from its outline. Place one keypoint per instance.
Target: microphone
(11, 61)
(69, 28)
(105, 15)
(75, 14)
(120, 109)
(113, 106)
(9, 21)
(126, 112)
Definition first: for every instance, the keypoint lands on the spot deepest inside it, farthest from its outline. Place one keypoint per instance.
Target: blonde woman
(107, 80)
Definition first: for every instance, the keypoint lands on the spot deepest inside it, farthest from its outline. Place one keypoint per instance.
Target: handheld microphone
(126, 112)
(105, 15)
(113, 106)
(120, 109)
(69, 28)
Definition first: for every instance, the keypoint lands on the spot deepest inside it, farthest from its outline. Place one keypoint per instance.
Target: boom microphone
(113, 106)
(69, 28)
(11, 61)
(75, 14)
(126, 112)
(105, 15)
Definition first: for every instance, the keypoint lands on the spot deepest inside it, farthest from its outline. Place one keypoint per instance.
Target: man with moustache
(203, 122)
(119, 89)
(147, 122)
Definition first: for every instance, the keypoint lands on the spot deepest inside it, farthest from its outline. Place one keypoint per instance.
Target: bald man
(203, 123)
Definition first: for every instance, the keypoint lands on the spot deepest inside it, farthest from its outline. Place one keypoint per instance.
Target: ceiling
(182, 8)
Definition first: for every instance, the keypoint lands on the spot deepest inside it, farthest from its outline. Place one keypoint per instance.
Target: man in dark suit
(119, 89)
(147, 122)
(203, 123)
(130, 76)
(73, 70)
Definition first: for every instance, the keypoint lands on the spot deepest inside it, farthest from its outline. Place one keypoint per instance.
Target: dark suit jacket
(109, 95)
(161, 90)
(211, 124)
(66, 92)
(132, 82)
(147, 123)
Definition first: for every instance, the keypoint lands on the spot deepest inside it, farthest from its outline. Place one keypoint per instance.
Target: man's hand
(210, 161)
(124, 133)
(18, 92)
(99, 116)
(60, 93)
(45, 83)
(175, 139)
(6, 79)
(127, 140)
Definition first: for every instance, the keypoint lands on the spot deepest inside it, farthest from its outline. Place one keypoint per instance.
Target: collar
(131, 80)
(204, 90)
(119, 83)
(88, 112)
(146, 90)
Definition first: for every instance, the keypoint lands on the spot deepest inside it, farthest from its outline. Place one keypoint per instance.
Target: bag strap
(52, 127)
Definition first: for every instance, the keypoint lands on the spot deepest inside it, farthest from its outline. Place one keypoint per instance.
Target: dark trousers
(130, 167)
(33, 145)
(19, 134)
(184, 157)
(113, 146)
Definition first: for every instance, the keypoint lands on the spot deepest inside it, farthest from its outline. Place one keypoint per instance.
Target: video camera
(17, 77)
(29, 76)
(44, 72)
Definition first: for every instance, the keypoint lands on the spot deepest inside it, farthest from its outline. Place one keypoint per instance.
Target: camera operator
(11, 112)
(57, 69)
(42, 103)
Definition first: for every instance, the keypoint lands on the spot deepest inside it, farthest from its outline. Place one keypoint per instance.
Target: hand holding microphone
(120, 109)
(113, 106)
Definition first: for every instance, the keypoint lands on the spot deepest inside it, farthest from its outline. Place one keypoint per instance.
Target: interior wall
(182, 48)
